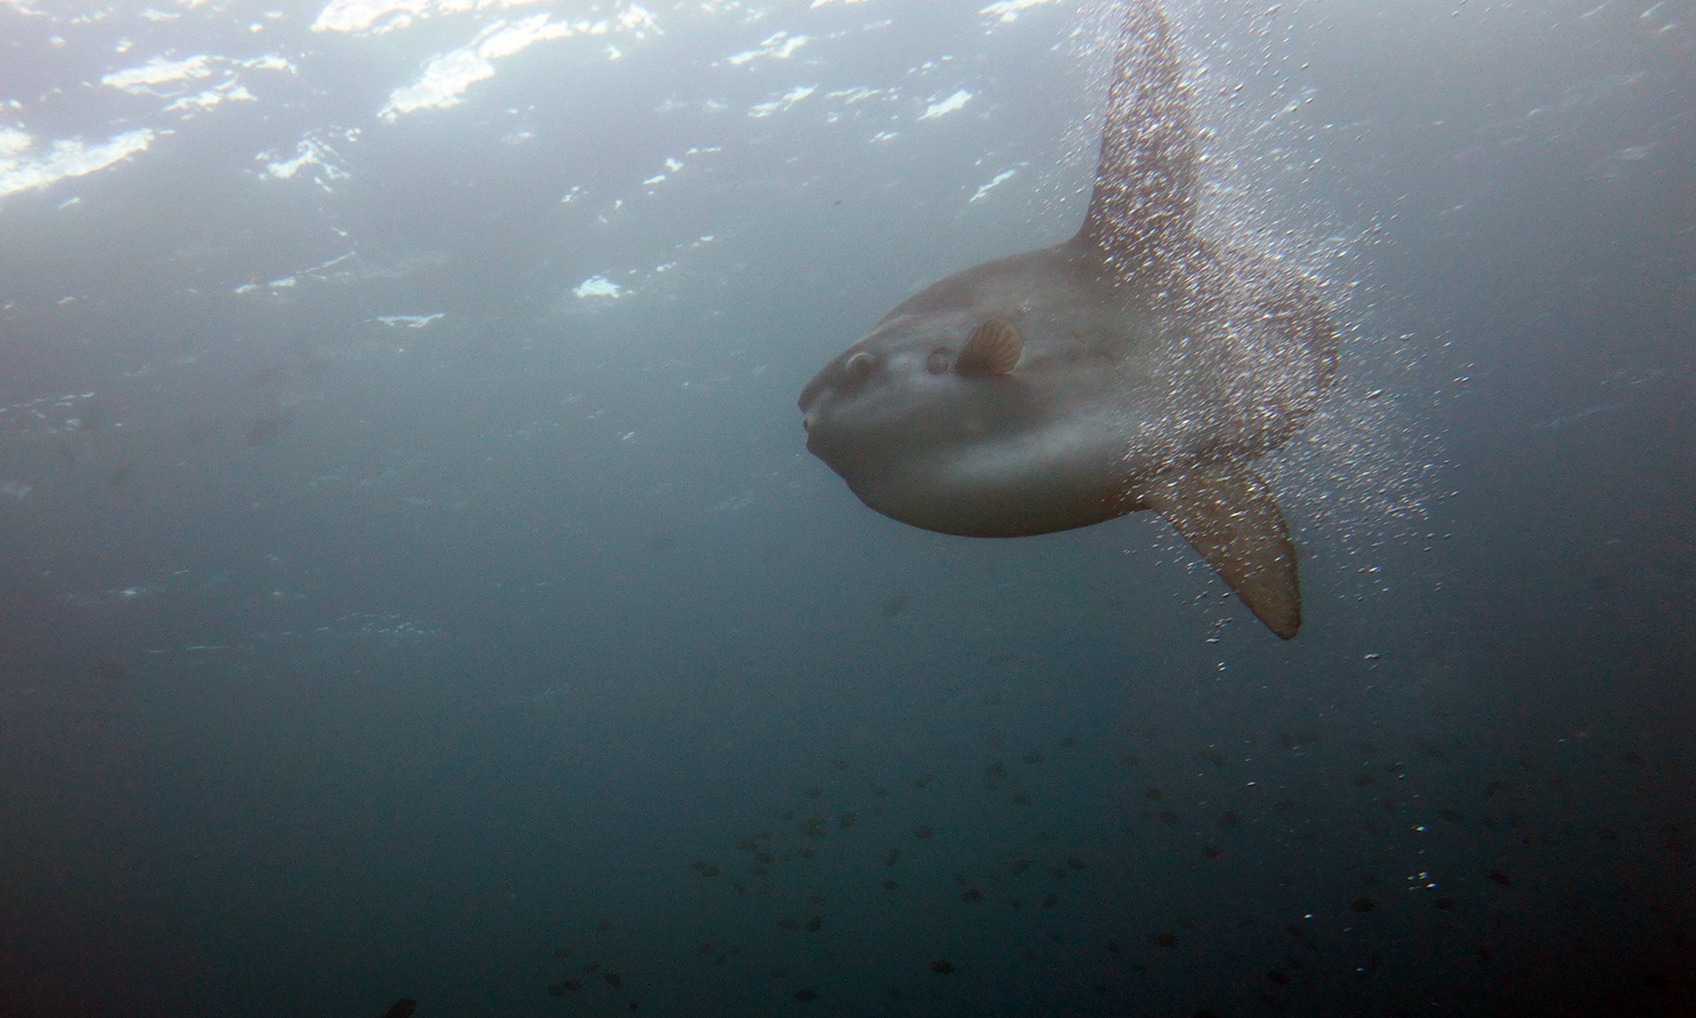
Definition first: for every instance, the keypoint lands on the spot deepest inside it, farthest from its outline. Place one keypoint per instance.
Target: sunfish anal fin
(1226, 511)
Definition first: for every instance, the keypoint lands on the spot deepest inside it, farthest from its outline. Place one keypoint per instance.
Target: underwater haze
(416, 596)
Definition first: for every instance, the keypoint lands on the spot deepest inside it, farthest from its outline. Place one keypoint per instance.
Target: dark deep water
(520, 661)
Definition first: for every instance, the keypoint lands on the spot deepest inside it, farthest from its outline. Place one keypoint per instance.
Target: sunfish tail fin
(1145, 181)
(1226, 511)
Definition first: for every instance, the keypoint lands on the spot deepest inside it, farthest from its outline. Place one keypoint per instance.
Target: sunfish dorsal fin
(1145, 180)
(1227, 513)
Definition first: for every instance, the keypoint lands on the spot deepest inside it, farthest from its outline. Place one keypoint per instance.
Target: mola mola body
(1138, 365)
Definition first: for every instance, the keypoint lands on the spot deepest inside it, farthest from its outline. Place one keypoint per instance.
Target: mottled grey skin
(1149, 366)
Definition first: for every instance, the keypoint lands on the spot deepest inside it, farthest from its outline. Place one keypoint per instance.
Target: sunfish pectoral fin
(1226, 511)
(993, 348)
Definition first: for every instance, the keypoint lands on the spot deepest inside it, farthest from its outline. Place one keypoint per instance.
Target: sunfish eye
(938, 362)
(859, 367)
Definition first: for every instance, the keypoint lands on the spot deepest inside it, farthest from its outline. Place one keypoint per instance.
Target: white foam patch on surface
(173, 79)
(673, 165)
(228, 92)
(45, 415)
(348, 267)
(850, 96)
(447, 77)
(599, 286)
(779, 46)
(14, 142)
(376, 17)
(601, 290)
(943, 107)
(149, 77)
(782, 103)
(409, 321)
(314, 158)
(994, 182)
(20, 170)
(1009, 10)
(847, 98)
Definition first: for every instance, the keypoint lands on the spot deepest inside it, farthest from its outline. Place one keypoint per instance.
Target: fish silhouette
(1138, 365)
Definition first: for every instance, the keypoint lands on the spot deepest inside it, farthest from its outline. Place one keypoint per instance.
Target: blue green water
(388, 609)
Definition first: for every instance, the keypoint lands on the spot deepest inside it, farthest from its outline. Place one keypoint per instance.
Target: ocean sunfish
(1138, 365)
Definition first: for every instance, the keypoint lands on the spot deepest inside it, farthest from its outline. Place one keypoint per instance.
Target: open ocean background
(413, 582)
